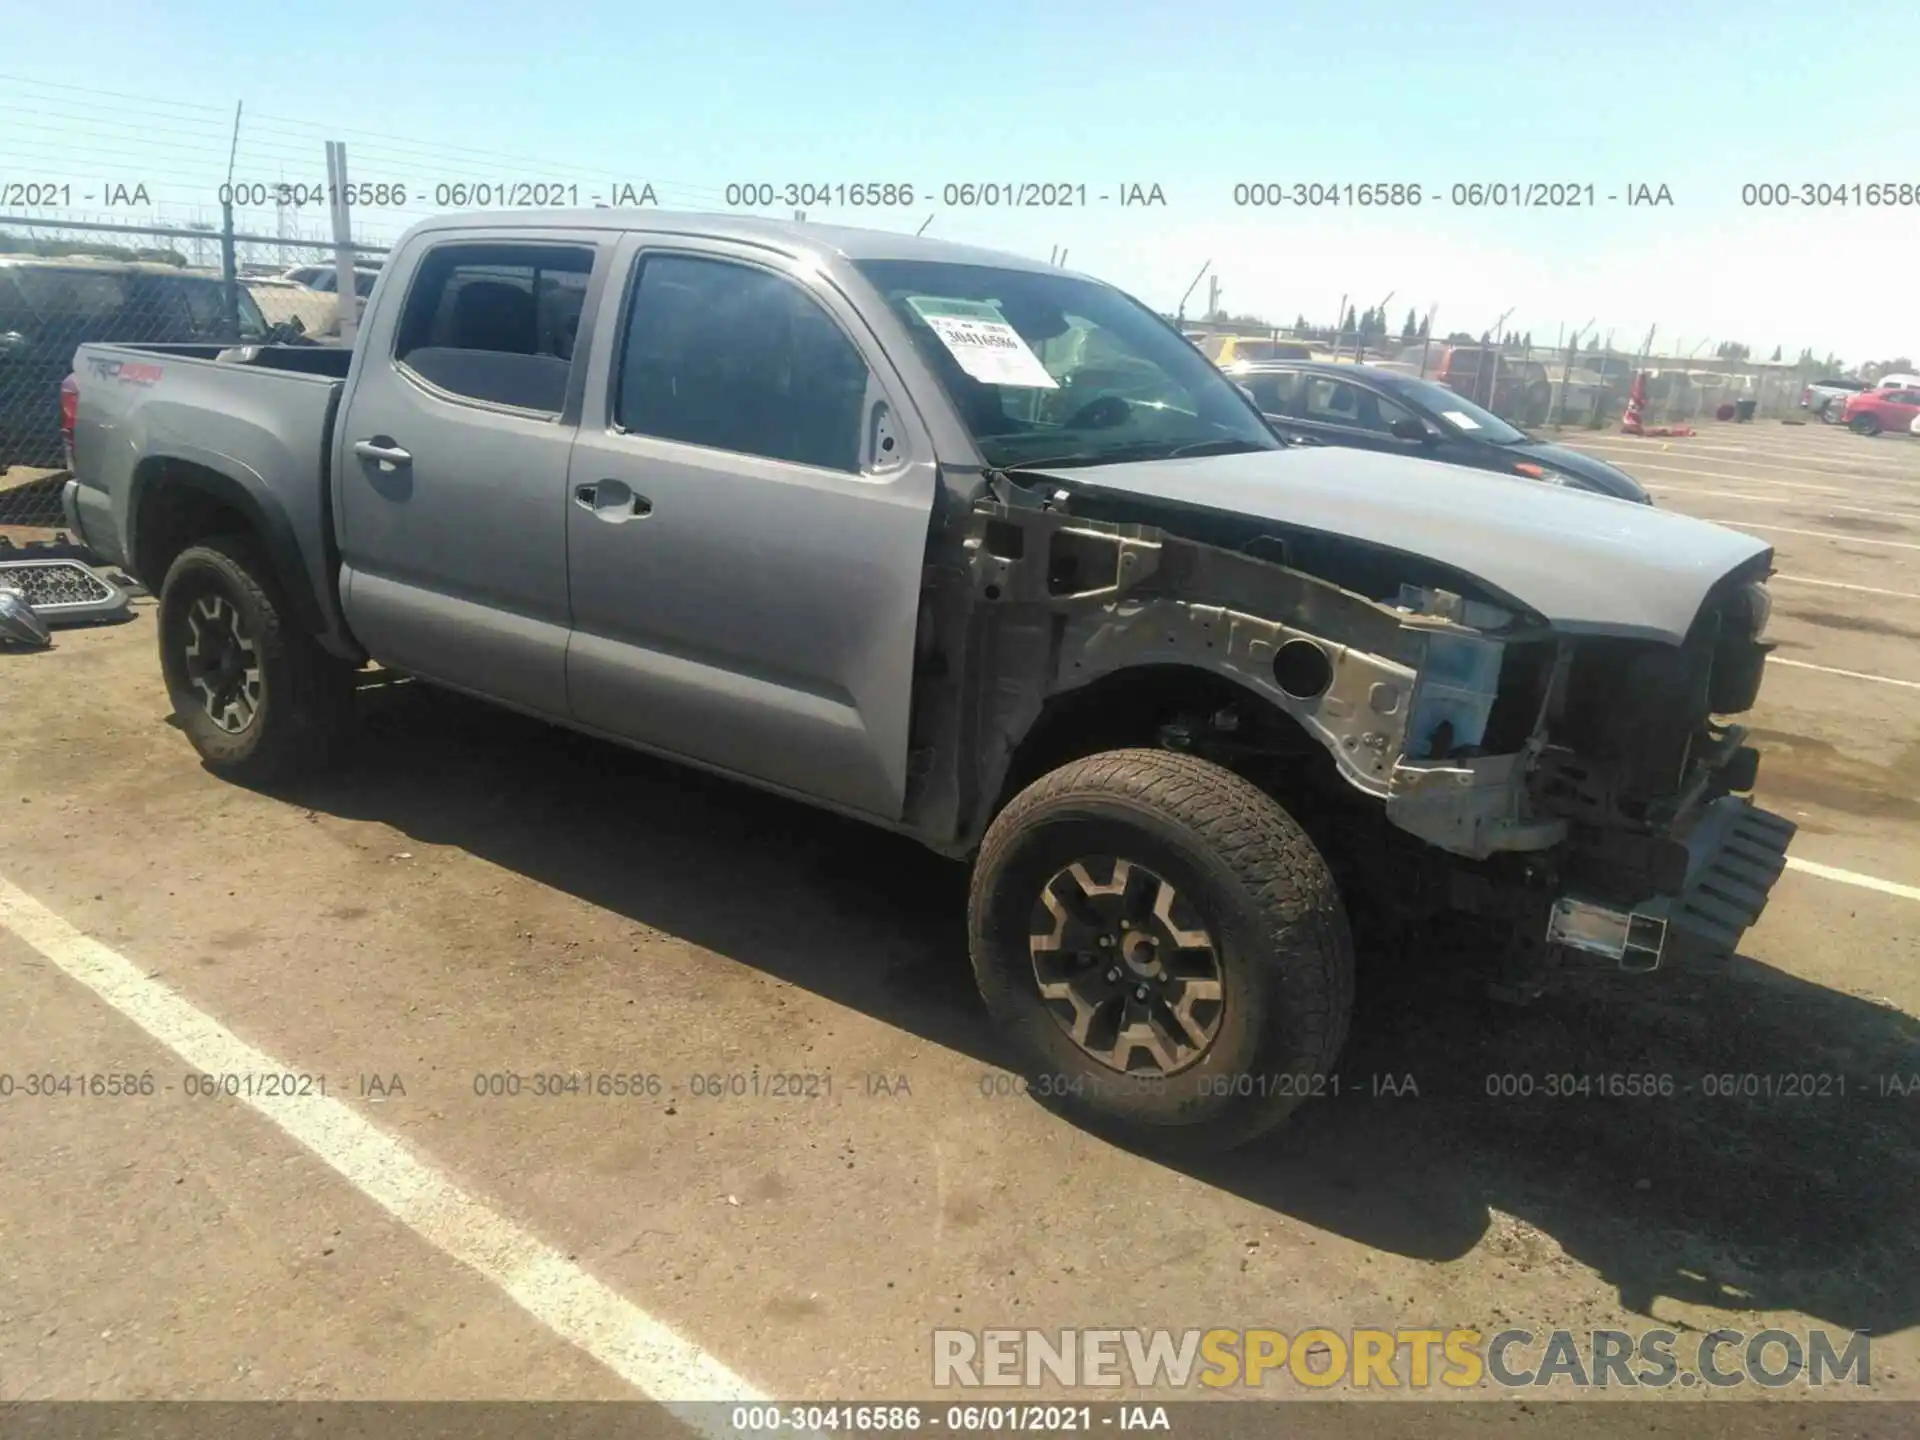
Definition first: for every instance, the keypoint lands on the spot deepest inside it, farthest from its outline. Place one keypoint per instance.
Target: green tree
(1347, 324)
(1411, 329)
(1776, 353)
(1426, 328)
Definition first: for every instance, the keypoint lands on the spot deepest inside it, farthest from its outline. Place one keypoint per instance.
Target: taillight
(69, 408)
(1806, 396)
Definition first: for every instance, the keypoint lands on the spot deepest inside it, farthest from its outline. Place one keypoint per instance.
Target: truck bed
(255, 421)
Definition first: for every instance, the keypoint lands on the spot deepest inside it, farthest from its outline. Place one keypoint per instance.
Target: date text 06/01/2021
(1471, 195)
(953, 194)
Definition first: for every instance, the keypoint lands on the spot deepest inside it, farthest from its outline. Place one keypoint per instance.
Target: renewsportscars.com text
(1365, 1359)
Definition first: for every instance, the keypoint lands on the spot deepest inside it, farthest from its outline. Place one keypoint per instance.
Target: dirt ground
(477, 894)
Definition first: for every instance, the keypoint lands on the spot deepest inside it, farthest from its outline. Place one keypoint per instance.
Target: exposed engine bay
(1564, 776)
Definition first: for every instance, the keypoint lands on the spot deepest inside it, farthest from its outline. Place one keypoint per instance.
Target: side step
(1737, 851)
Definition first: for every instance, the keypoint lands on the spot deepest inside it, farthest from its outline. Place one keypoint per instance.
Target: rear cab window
(496, 322)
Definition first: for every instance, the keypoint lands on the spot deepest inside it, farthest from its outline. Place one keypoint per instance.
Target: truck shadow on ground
(1742, 1201)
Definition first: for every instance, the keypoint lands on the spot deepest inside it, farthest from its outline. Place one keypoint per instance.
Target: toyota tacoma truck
(984, 552)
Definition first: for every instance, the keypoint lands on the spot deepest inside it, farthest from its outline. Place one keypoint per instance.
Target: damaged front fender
(1045, 603)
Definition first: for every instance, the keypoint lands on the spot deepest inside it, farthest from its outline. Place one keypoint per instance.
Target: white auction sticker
(988, 349)
(1465, 422)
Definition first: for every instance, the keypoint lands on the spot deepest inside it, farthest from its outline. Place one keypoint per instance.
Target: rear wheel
(1164, 947)
(257, 696)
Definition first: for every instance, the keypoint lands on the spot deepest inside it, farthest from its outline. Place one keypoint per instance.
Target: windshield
(1048, 369)
(1460, 414)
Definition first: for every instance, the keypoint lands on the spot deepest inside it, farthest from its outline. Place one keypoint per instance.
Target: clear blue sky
(1701, 97)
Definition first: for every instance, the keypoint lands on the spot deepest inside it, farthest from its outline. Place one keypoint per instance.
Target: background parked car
(1508, 386)
(281, 299)
(1232, 351)
(1902, 381)
(1826, 398)
(50, 307)
(326, 278)
(1872, 411)
(1368, 408)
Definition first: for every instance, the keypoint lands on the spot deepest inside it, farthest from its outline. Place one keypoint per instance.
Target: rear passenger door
(451, 453)
(746, 528)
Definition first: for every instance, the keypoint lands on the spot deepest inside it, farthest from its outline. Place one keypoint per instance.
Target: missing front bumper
(1735, 853)
(1637, 938)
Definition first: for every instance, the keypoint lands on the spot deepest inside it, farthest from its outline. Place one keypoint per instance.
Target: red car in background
(1872, 411)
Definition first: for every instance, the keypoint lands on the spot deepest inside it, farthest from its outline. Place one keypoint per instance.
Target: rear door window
(496, 323)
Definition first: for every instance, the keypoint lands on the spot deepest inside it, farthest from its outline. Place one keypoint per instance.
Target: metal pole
(1339, 320)
(1180, 315)
(1493, 379)
(1566, 374)
(229, 275)
(347, 300)
(1426, 342)
(1360, 334)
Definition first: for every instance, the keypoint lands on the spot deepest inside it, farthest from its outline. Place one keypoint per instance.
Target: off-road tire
(305, 703)
(1265, 893)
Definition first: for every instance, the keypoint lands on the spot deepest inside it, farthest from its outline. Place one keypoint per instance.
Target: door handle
(612, 501)
(382, 450)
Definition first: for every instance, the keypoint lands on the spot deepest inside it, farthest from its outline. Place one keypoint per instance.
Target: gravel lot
(479, 894)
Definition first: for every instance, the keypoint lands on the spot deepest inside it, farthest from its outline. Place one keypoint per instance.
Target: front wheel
(1165, 949)
(257, 696)
(1865, 425)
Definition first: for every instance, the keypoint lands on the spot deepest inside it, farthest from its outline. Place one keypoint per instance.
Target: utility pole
(1493, 379)
(1213, 295)
(229, 257)
(1180, 315)
(346, 294)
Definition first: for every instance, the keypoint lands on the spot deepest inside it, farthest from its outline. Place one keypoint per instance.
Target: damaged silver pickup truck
(984, 552)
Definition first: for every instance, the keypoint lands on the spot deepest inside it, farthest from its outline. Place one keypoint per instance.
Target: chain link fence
(1571, 387)
(65, 284)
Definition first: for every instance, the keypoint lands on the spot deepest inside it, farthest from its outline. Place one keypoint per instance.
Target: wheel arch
(1131, 706)
(176, 503)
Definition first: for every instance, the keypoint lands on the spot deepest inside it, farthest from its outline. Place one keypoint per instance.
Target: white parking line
(1810, 502)
(1814, 534)
(1850, 674)
(1756, 479)
(540, 1279)
(1843, 585)
(1852, 877)
(1744, 459)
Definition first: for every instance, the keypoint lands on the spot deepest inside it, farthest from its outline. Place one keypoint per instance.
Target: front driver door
(746, 529)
